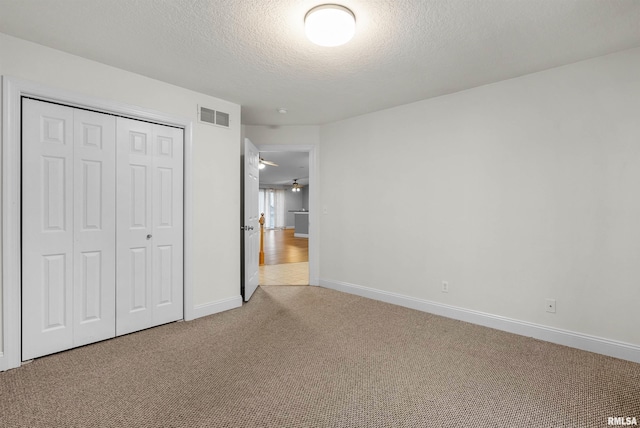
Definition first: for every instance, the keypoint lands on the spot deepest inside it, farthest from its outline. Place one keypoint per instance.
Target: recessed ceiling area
(255, 52)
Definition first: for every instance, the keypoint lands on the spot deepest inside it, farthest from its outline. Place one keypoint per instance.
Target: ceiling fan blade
(266, 162)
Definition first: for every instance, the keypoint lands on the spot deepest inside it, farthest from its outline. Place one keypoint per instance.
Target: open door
(251, 226)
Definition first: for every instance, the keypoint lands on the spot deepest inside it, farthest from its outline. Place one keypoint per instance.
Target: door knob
(149, 236)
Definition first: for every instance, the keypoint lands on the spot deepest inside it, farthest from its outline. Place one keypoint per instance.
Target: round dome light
(330, 25)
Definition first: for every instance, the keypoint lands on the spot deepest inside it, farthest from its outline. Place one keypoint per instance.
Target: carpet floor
(301, 356)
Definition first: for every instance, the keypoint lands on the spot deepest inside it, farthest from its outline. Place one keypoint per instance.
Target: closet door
(149, 224)
(47, 228)
(168, 253)
(68, 230)
(94, 227)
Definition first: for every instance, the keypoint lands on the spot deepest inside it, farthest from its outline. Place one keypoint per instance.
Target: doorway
(287, 200)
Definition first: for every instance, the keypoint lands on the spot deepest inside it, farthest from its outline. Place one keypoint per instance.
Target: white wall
(216, 151)
(513, 192)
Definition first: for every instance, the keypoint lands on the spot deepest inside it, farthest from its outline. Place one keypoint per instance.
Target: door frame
(314, 192)
(13, 90)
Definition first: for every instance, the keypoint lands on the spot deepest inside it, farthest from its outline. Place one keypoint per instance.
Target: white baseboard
(217, 306)
(599, 345)
(301, 235)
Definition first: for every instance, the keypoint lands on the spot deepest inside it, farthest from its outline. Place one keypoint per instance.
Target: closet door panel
(94, 226)
(167, 224)
(134, 226)
(47, 228)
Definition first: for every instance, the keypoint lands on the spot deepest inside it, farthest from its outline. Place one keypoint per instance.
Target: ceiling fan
(296, 187)
(264, 163)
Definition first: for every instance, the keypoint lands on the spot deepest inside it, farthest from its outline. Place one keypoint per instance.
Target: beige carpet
(311, 357)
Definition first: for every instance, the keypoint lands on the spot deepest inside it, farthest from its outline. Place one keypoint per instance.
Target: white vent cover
(213, 117)
(222, 119)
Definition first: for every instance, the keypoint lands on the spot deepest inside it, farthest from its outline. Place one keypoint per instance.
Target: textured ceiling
(254, 52)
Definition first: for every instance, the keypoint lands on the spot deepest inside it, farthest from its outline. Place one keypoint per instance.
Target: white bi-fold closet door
(68, 227)
(102, 238)
(149, 288)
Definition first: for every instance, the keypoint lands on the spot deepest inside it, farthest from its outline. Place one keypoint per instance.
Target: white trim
(301, 235)
(189, 310)
(612, 348)
(13, 90)
(10, 226)
(217, 306)
(314, 194)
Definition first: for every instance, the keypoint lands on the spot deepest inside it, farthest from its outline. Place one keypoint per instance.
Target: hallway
(286, 259)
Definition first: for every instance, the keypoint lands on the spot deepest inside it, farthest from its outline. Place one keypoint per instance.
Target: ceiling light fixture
(282, 110)
(263, 163)
(296, 186)
(330, 25)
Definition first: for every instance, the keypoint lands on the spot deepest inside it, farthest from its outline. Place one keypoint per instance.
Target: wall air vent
(213, 117)
(222, 119)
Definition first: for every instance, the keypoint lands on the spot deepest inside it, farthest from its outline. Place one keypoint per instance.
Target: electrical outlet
(550, 305)
(445, 287)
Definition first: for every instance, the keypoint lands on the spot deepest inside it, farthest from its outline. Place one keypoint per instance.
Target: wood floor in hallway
(280, 246)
